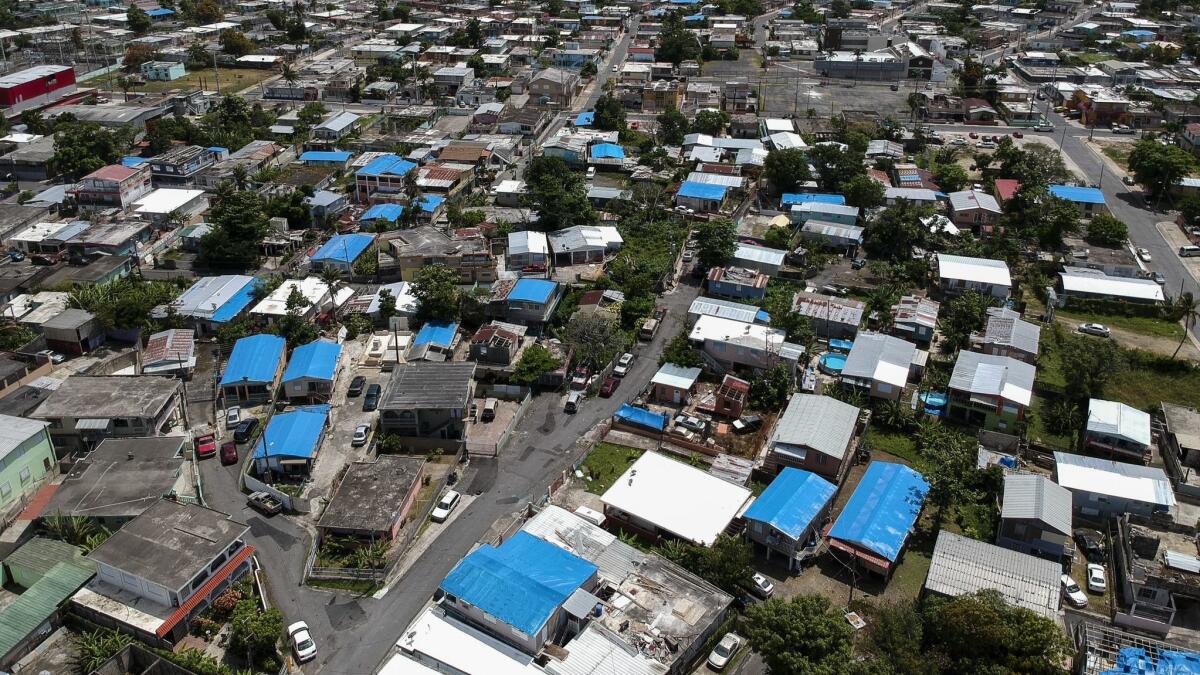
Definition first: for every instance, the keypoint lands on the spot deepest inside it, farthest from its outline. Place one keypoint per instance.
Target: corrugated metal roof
(1113, 418)
(1029, 496)
(822, 423)
(616, 559)
(880, 357)
(792, 501)
(1005, 327)
(724, 309)
(674, 375)
(40, 555)
(1096, 282)
(1146, 484)
(40, 602)
(993, 375)
(759, 254)
(961, 566)
(979, 270)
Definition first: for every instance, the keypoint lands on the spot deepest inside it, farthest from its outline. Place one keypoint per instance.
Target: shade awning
(294, 462)
(91, 424)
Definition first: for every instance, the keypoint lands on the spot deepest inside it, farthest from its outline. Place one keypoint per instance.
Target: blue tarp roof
(1135, 661)
(763, 316)
(161, 11)
(393, 165)
(1072, 193)
(325, 156)
(790, 198)
(389, 212)
(430, 203)
(585, 119)
(694, 17)
(685, 2)
(532, 290)
(234, 305)
(641, 416)
(255, 358)
(344, 247)
(607, 151)
(792, 501)
(294, 434)
(317, 360)
(440, 333)
(133, 162)
(701, 190)
(882, 510)
(1138, 33)
(522, 582)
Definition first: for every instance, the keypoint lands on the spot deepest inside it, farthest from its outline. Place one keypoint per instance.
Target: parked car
(1123, 129)
(986, 145)
(1158, 278)
(371, 399)
(1096, 581)
(244, 429)
(615, 69)
(356, 386)
(724, 651)
(688, 256)
(302, 642)
(361, 432)
(1071, 590)
(206, 445)
(264, 502)
(973, 135)
(233, 417)
(623, 364)
(747, 423)
(1143, 255)
(610, 385)
(572, 403)
(1091, 542)
(442, 511)
(1128, 180)
(52, 356)
(959, 141)
(16, 256)
(761, 586)
(1043, 127)
(689, 422)
(229, 453)
(660, 313)
(1097, 329)
(591, 172)
(858, 263)
(1017, 134)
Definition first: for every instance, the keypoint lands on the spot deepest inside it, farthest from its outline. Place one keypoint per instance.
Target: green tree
(717, 241)
(897, 230)
(137, 19)
(950, 466)
(235, 43)
(436, 290)
(1189, 310)
(672, 126)
(558, 194)
(595, 338)
(800, 636)
(1189, 208)
(1087, 364)
(725, 564)
(679, 351)
(534, 362)
(254, 631)
(895, 636)
(1157, 166)
(239, 224)
(962, 316)
(96, 647)
(950, 177)
(675, 42)
(711, 122)
(387, 304)
(864, 192)
(82, 147)
(787, 169)
(982, 633)
(1105, 230)
(835, 166)
(840, 9)
(610, 114)
(771, 389)
(588, 69)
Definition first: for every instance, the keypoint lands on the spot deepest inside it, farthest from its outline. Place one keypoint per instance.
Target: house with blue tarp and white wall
(253, 370)
(290, 443)
(701, 197)
(873, 528)
(342, 251)
(787, 516)
(525, 302)
(312, 371)
(212, 302)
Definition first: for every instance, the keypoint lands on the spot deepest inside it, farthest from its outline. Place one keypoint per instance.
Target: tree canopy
(596, 338)
(610, 114)
(717, 241)
(787, 169)
(800, 636)
(1157, 166)
(672, 126)
(436, 290)
(558, 194)
(1106, 230)
(675, 42)
(82, 147)
(239, 224)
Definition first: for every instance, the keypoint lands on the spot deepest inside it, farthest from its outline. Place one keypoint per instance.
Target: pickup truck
(264, 502)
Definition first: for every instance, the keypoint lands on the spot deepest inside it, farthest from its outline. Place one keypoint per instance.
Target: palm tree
(288, 74)
(857, 60)
(332, 276)
(1190, 313)
(124, 84)
(98, 646)
(240, 175)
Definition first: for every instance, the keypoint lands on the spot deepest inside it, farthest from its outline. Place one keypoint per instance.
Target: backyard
(605, 464)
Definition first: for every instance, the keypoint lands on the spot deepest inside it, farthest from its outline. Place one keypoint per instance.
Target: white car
(361, 432)
(1075, 596)
(761, 586)
(591, 172)
(615, 69)
(233, 417)
(442, 511)
(1096, 581)
(986, 145)
(724, 651)
(1043, 127)
(302, 642)
(958, 141)
(1144, 255)
(623, 364)
(1097, 329)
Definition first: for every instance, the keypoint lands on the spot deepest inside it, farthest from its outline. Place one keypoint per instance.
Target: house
(123, 477)
(583, 244)
(975, 210)
(962, 566)
(324, 204)
(554, 87)
(525, 302)
(159, 571)
(384, 174)
(318, 298)
(737, 282)
(814, 433)
(164, 206)
(170, 352)
(729, 344)
(1035, 517)
(914, 318)
(829, 316)
(787, 516)
(729, 400)
(336, 127)
(374, 499)
(510, 193)
(214, 301)
(178, 166)
(401, 292)
(334, 159)
(496, 344)
(112, 186)
(1117, 431)
(838, 214)
(1155, 572)
(701, 197)
(253, 370)
(415, 248)
(661, 498)
(674, 384)
(341, 252)
(1006, 334)
(73, 331)
(874, 525)
(990, 391)
(87, 409)
(1089, 201)
(450, 79)
(1102, 487)
(427, 403)
(958, 274)
(834, 236)
(436, 341)
(26, 458)
(882, 365)
(766, 260)
(47, 572)
(311, 372)
(527, 248)
(163, 70)
(1006, 189)
(726, 309)
(291, 441)
(1089, 283)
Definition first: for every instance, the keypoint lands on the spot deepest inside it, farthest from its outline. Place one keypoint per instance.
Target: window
(25, 475)
(5, 490)
(1146, 593)
(884, 388)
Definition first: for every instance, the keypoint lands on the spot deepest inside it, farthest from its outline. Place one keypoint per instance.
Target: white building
(958, 274)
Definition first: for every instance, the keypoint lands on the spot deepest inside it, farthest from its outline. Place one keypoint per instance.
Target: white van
(573, 400)
(489, 409)
(1189, 251)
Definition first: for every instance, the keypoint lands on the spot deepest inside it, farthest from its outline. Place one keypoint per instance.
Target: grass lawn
(232, 79)
(1037, 427)
(897, 444)
(1134, 324)
(605, 464)
(1144, 388)
(1088, 57)
(1118, 152)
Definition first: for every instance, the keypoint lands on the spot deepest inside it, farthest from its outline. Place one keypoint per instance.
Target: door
(675, 396)
(46, 463)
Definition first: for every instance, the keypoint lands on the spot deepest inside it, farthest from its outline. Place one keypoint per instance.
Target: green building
(26, 456)
(50, 572)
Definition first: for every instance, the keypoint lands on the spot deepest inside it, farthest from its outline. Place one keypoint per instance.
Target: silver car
(724, 651)
(1097, 329)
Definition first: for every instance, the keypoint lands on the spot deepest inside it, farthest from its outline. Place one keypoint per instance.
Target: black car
(1091, 542)
(371, 400)
(244, 428)
(356, 386)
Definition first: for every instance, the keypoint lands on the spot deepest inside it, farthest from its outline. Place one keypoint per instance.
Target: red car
(610, 385)
(973, 135)
(206, 446)
(229, 453)
(1017, 134)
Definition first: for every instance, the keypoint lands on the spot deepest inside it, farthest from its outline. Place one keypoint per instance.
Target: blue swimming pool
(831, 363)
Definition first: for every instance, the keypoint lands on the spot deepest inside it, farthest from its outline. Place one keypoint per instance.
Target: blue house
(253, 370)
(528, 302)
(342, 251)
(214, 301)
(701, 197)
(1089, 200)
(787, 516)
(290, 443)
(336, 159)
(607, 154)
(435, 341)
(311, 371)
(523, 592)
(873, 528)
(389, 212)
(163, 70)
(430, 207)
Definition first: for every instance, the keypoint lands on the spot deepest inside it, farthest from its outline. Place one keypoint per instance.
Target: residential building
(554, 87)
(737, 282)
(436, 341)
(873, 528)
(963, 566)
(525, 302)
(85, 410)
(496, 344)
(427, 403)
(252, 372)
(374, 500)
(413, 249)
(1153, 568)
(450, 79)
(1117, 431)
(990, 391)
(336, 127)
(318, 298)
(163, 70)
(47, 572)
(214, 301)
(844, 239)
(674, 384)
(975, 210)
(164, 207)
(291, 442)
(73, 331)
(312, 371)
(726, 309)
(112, 186)
(1090, 201)
(1006, 334)
(728, 344)
(342, 252)
(914, 318)
(1102, 487)
(178, 166)
(384, 175)
(814, 433)
(26, 458)
(829, 316)
(1089, 283)
(882, 365)
(769, 261)
(527, 248)
(958, 274)
(785, 519)
(701, 197)
(1035, 517)
(825, 212)
(584, 244)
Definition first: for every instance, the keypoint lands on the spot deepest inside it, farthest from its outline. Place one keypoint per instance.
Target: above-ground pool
(831, 363)
(935, 402)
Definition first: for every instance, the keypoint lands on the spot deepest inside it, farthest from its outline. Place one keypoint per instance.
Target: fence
(256, 485)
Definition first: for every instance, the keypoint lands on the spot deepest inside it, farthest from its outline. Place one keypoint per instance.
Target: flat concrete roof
(120, 479)
(108, 397)
(371, 494)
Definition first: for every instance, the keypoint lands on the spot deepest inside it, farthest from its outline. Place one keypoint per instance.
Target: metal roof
(325, 156)
(821, 423)
(978, 270)
(1096, 282)
(883, 509)
(37, 604)
(1146, 484)
(15, 431)
(674, 375)
(993, 375)
(961, 566)
(339, 121)
(438, 333)
(1030, 496)
(1005, 327)
(968, 200)
(1113, 418)
(387, 165)
(293, 434)
(527, 241)
(789, 198)
(880, 357)
(255, 359)
(727, 309)
(833, 230)
(792, 501)
(217, 299)
(389, 212)
(759, 254)
(316, 360)
(533, 290)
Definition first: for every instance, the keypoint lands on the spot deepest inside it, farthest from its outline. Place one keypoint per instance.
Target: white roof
(911, 194)
(777, 124)
(731, 331)
(508, 186)
(994, 375)
(462, 648)
(404, 27)
(823, 208)
(978, 270)
(1113, 418)
(165, 200)
(968, 200)
(1116, 479)
(880, 357)
(677, 376)
(528, 242)
(1096, 282)
(312, 288)
(209, 294)
(16, 430)
(787, 140)
(406, 302)
(724, 308)
(39, 232)
(759, 254)
(678, 498)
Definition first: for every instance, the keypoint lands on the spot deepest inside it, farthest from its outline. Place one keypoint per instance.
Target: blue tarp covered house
(786, 516)
(332, 158)
(291, 441)
(1089, 200)
(342, 251)
(790, 199)
(701, 197)
(311, 371)
(434, 341)
(874, 526)
(388, 212)
(254, 367)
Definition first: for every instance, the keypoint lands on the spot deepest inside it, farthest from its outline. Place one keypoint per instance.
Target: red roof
(204, 591)
(113, 172)
(1006, 188)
